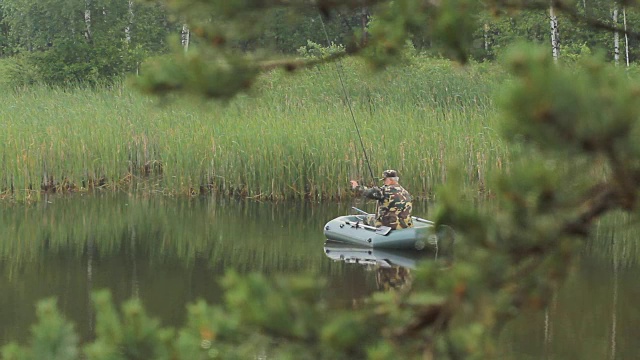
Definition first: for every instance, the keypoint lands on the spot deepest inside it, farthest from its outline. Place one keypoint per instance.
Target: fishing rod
(346, 96)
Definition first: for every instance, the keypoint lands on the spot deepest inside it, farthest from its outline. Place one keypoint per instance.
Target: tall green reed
(292, 137)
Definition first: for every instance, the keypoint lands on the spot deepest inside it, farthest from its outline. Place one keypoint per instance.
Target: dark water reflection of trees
(166, 251)
(170, 252)
(594, 314)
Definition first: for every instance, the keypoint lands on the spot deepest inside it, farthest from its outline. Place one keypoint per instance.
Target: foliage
(377, 30)
(18, 72)
(53, 337)
(508, 259)
(68, 42)
(574, 129)
(283, 318)
(379, 43)
(313, 50)
(460, 30)
(580, 24)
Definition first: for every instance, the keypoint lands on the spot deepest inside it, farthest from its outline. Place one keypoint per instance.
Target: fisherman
(394, 202)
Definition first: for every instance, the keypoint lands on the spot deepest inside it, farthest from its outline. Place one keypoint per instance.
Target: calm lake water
(170, 252)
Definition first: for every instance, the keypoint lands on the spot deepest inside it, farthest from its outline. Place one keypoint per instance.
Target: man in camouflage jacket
(394, 202)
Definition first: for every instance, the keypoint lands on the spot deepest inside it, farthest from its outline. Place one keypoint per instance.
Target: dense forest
(69, 41)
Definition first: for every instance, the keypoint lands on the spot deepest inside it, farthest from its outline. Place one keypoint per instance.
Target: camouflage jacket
(394, 205)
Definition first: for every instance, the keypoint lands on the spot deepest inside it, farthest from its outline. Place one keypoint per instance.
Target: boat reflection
(393, 267)
(385, 258)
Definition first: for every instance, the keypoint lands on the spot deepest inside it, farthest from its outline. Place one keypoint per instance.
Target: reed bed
(293, 137)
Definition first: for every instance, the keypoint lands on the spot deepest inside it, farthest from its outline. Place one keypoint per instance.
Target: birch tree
(127, 29)
(185, 37)
(616, 34)
(87, 21)
(555, 33)
(626, 35)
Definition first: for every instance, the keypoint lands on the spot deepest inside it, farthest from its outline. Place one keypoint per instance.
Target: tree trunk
(87, 20)
(626, 36)
(364, 19)
(486, 38)
(185, 37)
(616, 36)
(127, 30)
(555, 34)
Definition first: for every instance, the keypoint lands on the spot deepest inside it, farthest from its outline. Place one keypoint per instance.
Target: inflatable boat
(352, 229)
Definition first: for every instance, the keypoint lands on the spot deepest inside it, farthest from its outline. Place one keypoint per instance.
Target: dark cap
(389, 174)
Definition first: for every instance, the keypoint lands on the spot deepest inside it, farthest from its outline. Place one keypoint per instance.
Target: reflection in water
(392, 268)
(163, 228)
(376, 257)
(90, 256)
(587, 318)
(594, 314)
(170, 252)
(167, 252)
(393, 277)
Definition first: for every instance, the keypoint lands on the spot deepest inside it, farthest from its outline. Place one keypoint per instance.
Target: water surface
(170, 252)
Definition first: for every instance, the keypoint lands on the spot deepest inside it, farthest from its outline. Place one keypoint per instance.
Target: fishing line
(346, 96)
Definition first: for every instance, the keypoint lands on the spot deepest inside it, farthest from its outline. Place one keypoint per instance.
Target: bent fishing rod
(346, 96)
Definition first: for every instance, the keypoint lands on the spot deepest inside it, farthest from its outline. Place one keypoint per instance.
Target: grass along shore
(292, 138)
